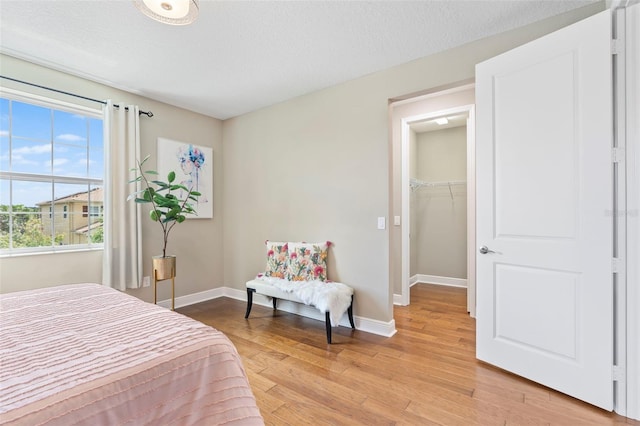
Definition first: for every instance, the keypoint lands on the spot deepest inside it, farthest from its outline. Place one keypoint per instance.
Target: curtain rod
(147, 113)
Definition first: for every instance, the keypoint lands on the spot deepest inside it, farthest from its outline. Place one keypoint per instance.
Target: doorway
(438, 201)
(407, 116)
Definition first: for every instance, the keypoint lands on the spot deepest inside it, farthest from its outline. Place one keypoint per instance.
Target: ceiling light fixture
(172, 12)
(441, 121)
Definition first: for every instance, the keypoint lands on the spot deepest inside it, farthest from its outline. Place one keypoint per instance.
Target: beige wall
(305, 171)
(198, 243)
(318, 167)
(439, 221)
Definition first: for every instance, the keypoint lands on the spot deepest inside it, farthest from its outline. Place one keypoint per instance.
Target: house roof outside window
(79, 197)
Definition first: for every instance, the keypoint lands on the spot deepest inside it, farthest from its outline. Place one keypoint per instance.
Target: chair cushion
(267, 289)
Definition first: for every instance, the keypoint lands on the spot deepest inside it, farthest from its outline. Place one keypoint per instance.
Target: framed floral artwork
(193, 165)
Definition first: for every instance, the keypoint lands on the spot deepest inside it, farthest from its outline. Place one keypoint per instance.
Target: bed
(89, 355)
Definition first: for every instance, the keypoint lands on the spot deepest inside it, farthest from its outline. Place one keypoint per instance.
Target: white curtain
(122, 260)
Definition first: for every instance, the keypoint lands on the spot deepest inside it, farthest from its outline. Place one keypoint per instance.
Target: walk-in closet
(438, 201)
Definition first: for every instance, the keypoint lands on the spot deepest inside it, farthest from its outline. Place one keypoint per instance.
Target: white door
(544, 197)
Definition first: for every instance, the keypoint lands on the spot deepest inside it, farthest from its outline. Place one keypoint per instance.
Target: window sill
(52, 251)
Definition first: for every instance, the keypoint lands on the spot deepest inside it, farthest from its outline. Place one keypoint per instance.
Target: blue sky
(32, 150)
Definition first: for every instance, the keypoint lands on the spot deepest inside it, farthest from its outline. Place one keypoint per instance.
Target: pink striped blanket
(84, 354)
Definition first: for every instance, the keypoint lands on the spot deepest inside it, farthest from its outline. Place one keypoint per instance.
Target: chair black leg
(250, 292)
(327, 320)
(350, 313)
(275, 302)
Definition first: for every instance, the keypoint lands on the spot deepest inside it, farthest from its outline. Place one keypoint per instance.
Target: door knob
(485, 250)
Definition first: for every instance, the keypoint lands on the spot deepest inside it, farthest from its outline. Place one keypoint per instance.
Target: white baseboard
(192, 299)
(430, 279)
(386, 329)
(434, 279)
(413, 280)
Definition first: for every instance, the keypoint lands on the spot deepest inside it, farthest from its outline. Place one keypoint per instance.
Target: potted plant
(170, 203)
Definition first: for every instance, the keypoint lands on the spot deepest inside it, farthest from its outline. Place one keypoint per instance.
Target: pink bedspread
(87, 354)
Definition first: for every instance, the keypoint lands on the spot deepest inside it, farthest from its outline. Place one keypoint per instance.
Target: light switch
(381, 223)
(396, 220)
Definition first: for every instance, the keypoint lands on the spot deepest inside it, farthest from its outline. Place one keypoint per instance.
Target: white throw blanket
(324, 295)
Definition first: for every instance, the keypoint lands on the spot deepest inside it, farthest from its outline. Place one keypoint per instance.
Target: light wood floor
(426, 374)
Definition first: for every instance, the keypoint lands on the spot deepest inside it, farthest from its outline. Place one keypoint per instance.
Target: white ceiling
(240, 56)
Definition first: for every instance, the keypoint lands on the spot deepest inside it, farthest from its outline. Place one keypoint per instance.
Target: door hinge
(616, 46)
(616, 265)
(617, 155)
(618, 374)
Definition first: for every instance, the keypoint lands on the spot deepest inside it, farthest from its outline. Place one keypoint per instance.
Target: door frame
(626, 25)
(632, 179)
(406, 123)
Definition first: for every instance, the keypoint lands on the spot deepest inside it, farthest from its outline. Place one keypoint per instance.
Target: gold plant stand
(164, 268)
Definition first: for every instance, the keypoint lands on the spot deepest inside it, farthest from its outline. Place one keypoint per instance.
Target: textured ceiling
(240, 56)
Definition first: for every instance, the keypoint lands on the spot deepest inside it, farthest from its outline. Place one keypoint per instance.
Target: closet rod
(147, 113)
(416, 183)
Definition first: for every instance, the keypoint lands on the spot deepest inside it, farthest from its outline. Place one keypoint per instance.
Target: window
(51, 174)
